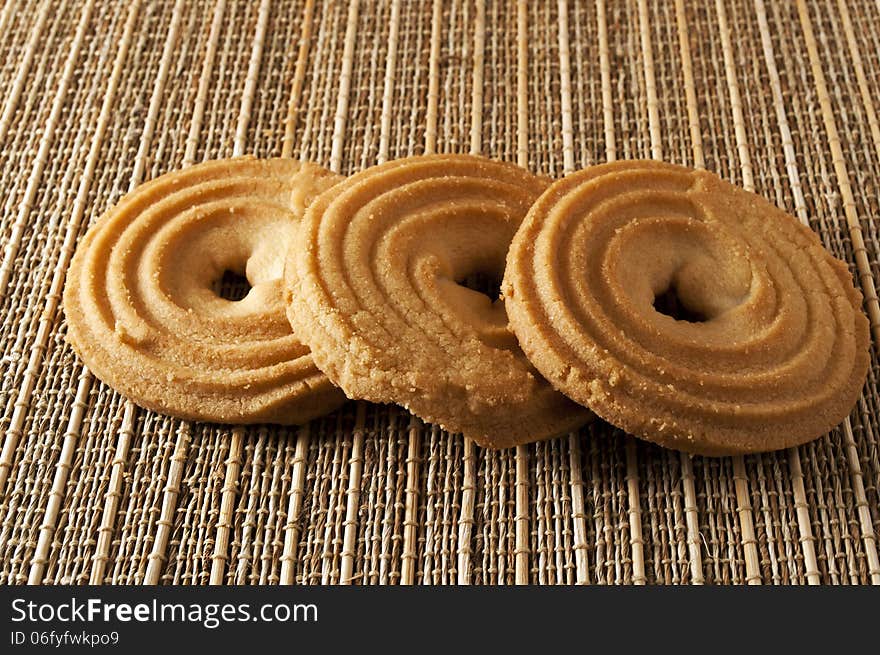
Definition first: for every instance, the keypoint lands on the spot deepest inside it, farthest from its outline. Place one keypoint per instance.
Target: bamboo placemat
(779, 97)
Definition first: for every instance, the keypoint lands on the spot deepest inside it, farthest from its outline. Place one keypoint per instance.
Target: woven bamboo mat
(780, 97)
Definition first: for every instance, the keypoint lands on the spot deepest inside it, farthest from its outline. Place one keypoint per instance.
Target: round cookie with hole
(393, 286)
(685, 310)
(174, 296)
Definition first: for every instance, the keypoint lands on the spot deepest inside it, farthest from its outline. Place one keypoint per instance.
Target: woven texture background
(779, 97)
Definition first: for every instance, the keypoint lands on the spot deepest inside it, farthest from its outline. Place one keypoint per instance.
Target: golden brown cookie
(143, 310)
(375, 290)
(686, 310)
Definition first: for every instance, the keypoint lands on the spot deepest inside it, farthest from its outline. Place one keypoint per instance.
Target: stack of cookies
(683, 309)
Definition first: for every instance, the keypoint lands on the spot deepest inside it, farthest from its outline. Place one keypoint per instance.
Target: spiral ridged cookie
(767, 347)
(142, 308)
(375, 291)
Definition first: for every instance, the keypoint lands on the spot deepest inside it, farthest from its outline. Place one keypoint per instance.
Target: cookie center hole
(232, 286)
(485, 283)
(671, 304)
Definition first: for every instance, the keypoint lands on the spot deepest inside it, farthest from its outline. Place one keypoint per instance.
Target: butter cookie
(142, 300)
(685, 310)
(376, 289)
